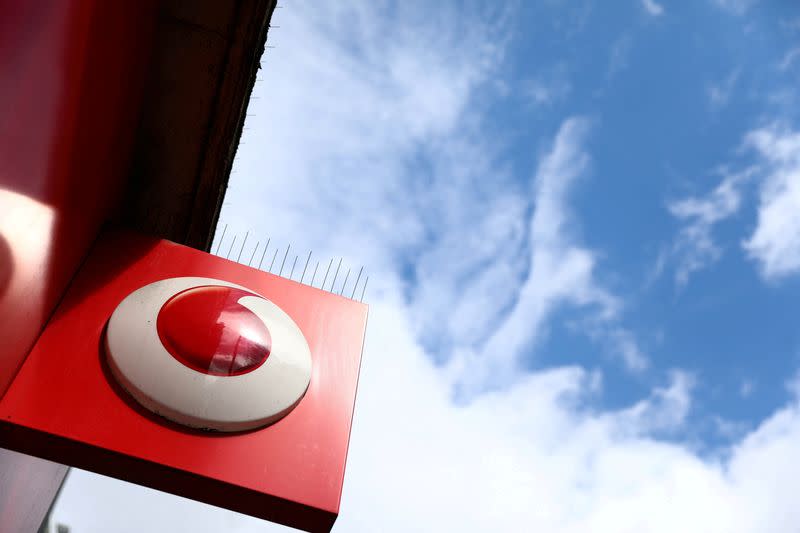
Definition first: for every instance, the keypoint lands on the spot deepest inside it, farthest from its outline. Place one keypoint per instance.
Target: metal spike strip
(332, 288)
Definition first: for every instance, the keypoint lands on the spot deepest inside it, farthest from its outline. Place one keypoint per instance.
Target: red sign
(153, 340)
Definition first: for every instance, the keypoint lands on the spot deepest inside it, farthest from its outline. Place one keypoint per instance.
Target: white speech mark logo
(208, 354)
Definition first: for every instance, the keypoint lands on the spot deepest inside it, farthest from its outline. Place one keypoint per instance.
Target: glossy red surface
(71, 74)
(208, 330)
(65, 406)
(71, 79)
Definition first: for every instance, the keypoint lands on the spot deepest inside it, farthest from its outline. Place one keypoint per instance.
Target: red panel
(71, 77)
(65, 406)
(71, 74)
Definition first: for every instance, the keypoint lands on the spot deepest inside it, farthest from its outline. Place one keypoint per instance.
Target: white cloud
(695, 247)
(653, 8)
(775, 242)
(530, 457)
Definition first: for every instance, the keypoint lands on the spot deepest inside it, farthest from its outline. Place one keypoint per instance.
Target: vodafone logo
(208, 329)
(208, 354)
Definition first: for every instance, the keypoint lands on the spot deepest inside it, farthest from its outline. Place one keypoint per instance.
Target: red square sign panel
(195, 375)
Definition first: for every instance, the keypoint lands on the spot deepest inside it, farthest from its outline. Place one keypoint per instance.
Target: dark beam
(201, 76)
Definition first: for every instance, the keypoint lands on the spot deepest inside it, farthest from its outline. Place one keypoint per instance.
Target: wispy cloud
(695, 247)
(619, 56)
(560, 270)
(380, 122)
(775, 242)
(405, 153)
(720, 93)
(549, 87)
(625, 345)
(664, 410)
(736, 7)
(789, 58)
(652, 7)
(746, 388)
(620, 343)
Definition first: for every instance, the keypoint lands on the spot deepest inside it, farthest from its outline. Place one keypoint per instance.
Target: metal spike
(345, 282)
(326, 275)
(366, 280)
(305, 267)
(337, 274)
(221, 239)
(293, 265)
(357, 280)
(231, 248)
(288, 246)
(315, 274)
(264, 253)
(242, 250)
(274, 256)
(254, 253)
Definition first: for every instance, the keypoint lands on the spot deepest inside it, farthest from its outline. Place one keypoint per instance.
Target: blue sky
(582, 228)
